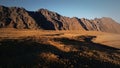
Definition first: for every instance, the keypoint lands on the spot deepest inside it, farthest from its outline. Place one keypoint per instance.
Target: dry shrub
(49, 56)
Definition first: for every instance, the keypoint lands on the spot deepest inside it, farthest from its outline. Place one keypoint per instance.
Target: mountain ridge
(20, 18)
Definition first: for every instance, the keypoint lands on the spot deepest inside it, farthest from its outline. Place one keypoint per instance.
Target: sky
(89, 9)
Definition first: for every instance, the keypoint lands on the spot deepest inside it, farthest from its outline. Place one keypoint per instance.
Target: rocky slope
(14, 17)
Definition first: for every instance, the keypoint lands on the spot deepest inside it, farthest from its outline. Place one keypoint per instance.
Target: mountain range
(43, 19)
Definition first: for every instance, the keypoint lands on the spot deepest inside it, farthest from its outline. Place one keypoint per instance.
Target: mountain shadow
(28, 52)
(42, 21)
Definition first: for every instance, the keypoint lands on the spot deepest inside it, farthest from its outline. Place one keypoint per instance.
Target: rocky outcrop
(15, 17)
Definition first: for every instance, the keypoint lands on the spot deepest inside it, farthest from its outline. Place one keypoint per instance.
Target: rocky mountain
(19, 18)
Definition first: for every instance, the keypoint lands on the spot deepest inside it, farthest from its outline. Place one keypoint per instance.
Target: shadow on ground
(27, 52)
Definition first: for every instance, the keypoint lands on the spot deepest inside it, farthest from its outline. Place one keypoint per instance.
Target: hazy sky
(79, 8)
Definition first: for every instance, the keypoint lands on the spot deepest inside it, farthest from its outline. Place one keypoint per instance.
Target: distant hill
(19, 18)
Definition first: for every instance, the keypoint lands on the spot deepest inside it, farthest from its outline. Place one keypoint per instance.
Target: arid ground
(58, 49)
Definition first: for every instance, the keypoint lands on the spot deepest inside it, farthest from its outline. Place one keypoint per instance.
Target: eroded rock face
(15, 17)
(60, 22)
(104, 24)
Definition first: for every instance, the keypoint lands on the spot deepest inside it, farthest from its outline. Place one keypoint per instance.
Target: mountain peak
(46, 11)
(43, 10)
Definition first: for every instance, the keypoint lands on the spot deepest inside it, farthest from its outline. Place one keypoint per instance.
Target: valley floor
(108, 39)
(63, 49)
